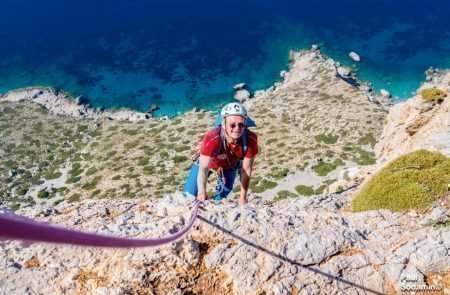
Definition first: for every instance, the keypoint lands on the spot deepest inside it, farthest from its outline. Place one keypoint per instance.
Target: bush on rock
(433, 94)
(411, 181)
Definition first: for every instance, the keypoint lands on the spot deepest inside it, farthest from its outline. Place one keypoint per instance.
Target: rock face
(417, 124)
(310, 246)
(239, 86)
(344, 71)
(60, 103)
(242, 95)
(385, 93)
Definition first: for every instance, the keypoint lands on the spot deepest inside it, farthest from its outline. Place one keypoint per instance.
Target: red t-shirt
(228, 157)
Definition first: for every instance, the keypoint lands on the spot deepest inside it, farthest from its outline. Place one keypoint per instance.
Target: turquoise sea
(184, 54)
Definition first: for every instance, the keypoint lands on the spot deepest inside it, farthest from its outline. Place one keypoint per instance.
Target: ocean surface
(185, 54)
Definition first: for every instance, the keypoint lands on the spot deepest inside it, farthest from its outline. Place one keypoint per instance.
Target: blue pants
(222, 190)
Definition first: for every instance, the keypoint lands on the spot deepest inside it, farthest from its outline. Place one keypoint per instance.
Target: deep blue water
(184, 54)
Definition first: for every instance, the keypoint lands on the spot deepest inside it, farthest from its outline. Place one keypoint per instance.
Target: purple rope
(13, 227)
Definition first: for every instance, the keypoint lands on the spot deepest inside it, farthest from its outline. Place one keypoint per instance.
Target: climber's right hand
(202, 197)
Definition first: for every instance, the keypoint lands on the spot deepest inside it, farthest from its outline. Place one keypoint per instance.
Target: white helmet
(233, 109)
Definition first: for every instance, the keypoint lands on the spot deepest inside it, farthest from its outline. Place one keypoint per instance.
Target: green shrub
(433, 94)
(75, 172)
(272, 140)
(323, 168)
(82, 128)
(110, 154)
(284, 194)
(279, 174)
(149, 169)
(367, 139)
(181, 148)
(43, 194)
(93, 184)
(74, 198)
(261, 186)
(116, 177)
(143, 161)
(179, 159)
(304, 190)
(131, 144)
(57, 202)
(365, 157)
(73, 179)
(328, 139)
(15, 207)
(320, 189)
(91, 171)
(413, 180)
(131, 132)
(95, 133)
(95, 193)
(22, 190)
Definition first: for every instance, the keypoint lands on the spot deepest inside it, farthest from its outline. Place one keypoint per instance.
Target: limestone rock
(354, 56)
(61, 103)
(242, 95)
(385, 93)
(344, 71)
(306, 243)
(239, 86)
(415, 124)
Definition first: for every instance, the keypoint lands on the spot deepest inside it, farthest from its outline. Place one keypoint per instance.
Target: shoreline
(59, 102)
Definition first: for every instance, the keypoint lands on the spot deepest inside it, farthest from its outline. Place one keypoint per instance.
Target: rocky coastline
(114, 175)
(59, 102)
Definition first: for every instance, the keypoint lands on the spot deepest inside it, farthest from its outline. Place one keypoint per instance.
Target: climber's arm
(246, 174)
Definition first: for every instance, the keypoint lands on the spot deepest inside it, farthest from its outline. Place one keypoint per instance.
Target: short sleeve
(210, 144)
(252, 150)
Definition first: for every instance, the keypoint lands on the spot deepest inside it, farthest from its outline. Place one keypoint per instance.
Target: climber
(229, 147)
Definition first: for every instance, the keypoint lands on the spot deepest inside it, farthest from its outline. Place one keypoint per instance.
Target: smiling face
(234, 126)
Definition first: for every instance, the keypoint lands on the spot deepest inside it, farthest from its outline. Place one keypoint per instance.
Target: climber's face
(235, 126)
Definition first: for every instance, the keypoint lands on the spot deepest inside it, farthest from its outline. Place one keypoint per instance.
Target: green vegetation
(323, 168)
(43, 194)
(272, 140)
(143, 161)
(279, 173)
(284, 194)
(82, 128)
(365, 157)
(74, 198)
(433, 94)
(131, 144)
(259, 185)
(328, 139)
(367, 139)
(359, 155)
(93, 184)
(179, 159)
(440, 223)
(304, 190)
(411, 181)
(73, 179)
(95, 193)
(131, 132)
(91, 171)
